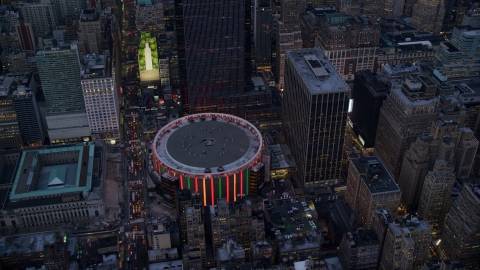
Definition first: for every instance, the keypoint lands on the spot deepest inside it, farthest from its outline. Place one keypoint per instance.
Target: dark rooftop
(450, 47)
(374, 175)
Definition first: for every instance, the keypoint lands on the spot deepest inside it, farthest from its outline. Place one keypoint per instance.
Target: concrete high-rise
(90, 31)
(315, 113)
(28, 113)
(417, 160)
(59, 70)
(215, 45)
(370, 188)
(436, 191)
(404, 242)
(398, 128)
(350, 42)
(101, 96)
(428, 15)
(447, 141)
(20, 121)
(263, 35)
(41, 16)
(195, 252)
(459, 57)
(460, 236)
(455, 156)
(289, 36)
(359, 250)
(230, 221)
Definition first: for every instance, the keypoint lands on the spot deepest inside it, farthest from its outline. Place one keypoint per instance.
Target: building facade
(459, 57)
(460, 237)
(215, 49)
(59, 71)
(28, 113)
(314, 114)
(405, 242)
(53, 185)
(289, 36)
(370, 188)
(404, 115)
(359, 250)
(263, 35)
(41, 16)
(349, 42)
(101, 96)
(428, 15)
(368, 93)
(91, 28)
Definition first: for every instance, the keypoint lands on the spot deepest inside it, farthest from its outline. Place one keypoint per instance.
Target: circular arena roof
(208, 145)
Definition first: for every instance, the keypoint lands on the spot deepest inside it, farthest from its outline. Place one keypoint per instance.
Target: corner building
(315, 115)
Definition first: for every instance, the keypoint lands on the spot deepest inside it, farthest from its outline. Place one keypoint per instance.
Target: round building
(217, 155)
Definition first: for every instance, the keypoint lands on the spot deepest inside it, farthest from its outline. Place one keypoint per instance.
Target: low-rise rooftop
(29, 243)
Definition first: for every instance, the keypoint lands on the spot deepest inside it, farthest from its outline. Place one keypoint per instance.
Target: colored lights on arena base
(204, 193)
(213, 187)
(234, 187)
(228, 190)
(220, 187)
(212, 191)
(241, 182)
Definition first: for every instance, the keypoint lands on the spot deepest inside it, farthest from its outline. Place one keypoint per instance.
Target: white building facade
(101, 97)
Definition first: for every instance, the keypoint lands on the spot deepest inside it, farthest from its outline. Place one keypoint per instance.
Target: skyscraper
(195, 256)
(101, 96)
(349, 42)
(263, 34)
(214, 33)
(368, 94)
(359, 250)
(461, 237)
(454, 160)
(28, 114)
(460, 55)
(314, 114)
(398, 128)
(404, 242)
(289, 36)
(59, 70)
(370, 188)
(90, 32)
(20, 119)
(417, 160)
(437, 188)
(41, 16)
(428, 15)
